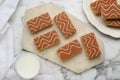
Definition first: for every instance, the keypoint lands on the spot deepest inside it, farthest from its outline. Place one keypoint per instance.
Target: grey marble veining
(109, 70)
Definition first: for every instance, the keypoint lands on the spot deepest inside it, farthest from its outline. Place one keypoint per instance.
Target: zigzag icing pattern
(96, 5)
(69, 50)
(91, 45)
(46, 40)
(39, 23)
(110, 11)
(65, 25)
(113, 23)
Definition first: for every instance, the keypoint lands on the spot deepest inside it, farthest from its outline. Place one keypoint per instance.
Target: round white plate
(98, 22)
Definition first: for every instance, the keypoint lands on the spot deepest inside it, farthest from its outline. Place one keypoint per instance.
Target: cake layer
(69, 50)
(46, 40)
(91, 46)
(96, 5)
(110, 11)
(113, 22)
(39, 23)
(65, 25)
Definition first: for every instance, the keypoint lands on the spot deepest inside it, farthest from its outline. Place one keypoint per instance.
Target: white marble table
(109, 70)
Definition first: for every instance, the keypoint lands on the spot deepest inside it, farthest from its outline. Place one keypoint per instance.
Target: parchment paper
(78, 63)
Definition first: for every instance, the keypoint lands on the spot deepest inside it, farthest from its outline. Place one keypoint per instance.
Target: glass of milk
(27, 65)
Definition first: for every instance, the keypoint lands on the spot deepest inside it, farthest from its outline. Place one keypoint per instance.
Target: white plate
(98, 22)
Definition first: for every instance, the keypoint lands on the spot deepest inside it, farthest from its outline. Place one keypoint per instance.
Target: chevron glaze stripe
(91, 45)
(46, 40)
(114, 22)
(96, 5)
(110, 12)
(69, 50)
(65, 25)
(39, 23)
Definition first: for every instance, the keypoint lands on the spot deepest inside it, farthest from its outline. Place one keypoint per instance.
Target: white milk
(27, 65)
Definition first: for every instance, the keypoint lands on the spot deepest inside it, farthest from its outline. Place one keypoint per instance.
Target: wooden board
(98, 22)
(78, 63)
